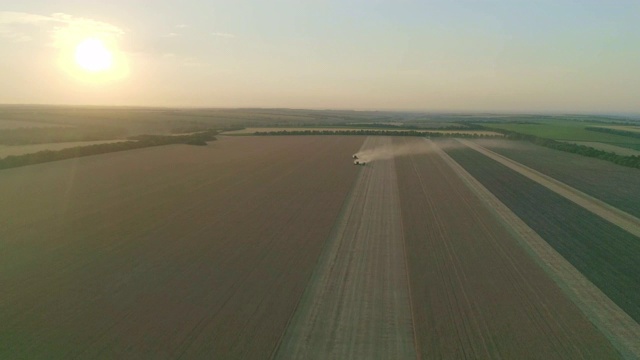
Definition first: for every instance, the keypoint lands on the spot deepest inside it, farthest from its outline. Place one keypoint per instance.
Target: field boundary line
(312, 282)
(616, 216)
(621, 330)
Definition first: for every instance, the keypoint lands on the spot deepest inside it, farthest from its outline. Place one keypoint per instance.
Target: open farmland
(475, 290)
(613, 184)
(17, 124)
(358, 303)
(568, 131)
(179, 251)
(278, 247)
(608, 148)
(604, 253)
(8, 150)
(254, 130)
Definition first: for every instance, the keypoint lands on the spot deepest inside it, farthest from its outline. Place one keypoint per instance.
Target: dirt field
(358, 304)
(179, 251)
(476, 292)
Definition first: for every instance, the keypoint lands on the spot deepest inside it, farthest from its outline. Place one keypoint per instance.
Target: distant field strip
(618, 217)
(607, 147)
(358, 302)
(617, 325)
(253, 130)
(476, 293)
(8, 150)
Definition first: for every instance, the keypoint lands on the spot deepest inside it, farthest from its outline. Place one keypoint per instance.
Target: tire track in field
(618, 217)
(357, 304)
(609, 318)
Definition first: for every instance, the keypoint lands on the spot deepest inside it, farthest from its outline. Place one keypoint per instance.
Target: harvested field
(475, 292)
(607, 255)
(613, 184)
(177, 251)
(358, 304)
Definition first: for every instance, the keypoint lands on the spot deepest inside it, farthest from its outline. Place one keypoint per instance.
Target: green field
(569, 131)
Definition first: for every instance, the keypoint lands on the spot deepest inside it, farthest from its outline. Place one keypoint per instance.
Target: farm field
(622, 127)
(358, 303)
(569, 131)
(474, 288)
(604, 253)
(278, 247)
(178, 251)
(613, 184)
(253, 130)
(15, 124)
(619, 218)
(7, 150)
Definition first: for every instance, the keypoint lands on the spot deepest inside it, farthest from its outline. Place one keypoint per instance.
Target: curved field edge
(615, 324)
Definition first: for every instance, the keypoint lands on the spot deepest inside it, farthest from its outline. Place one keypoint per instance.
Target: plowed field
(193, 252)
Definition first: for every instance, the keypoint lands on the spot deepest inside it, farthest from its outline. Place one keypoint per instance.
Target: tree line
(626, 133)
(136, 142)
(629, 161)
(372, 132)
(47, 135)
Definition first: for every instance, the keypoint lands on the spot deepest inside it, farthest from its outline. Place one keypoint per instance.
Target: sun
(93, 55)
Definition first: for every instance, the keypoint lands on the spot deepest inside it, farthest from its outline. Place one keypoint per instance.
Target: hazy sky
(559, 55)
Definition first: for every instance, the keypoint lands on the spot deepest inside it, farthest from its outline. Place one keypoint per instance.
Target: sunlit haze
(547, 56)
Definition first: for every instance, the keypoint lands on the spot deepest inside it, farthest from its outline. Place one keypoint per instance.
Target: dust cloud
(389, 151)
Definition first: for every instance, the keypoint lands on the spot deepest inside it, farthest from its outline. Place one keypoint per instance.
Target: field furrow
(357, 305)
(614, 184)
(623, 220)
(604, 253)
(610, 319)
(476, 291)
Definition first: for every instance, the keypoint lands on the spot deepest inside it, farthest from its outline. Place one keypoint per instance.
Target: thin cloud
(223, 35)
(182, 26)
(63, 28)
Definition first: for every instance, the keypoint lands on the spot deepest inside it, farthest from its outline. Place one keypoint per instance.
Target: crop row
(607, 255)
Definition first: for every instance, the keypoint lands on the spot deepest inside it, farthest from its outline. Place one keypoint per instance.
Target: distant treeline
(136, 142)
(614, 131)
(371, 132)
(47, 135)
(630, 161)
(408, 127)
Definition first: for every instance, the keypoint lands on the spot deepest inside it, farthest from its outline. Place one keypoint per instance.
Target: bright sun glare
(93, 55)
